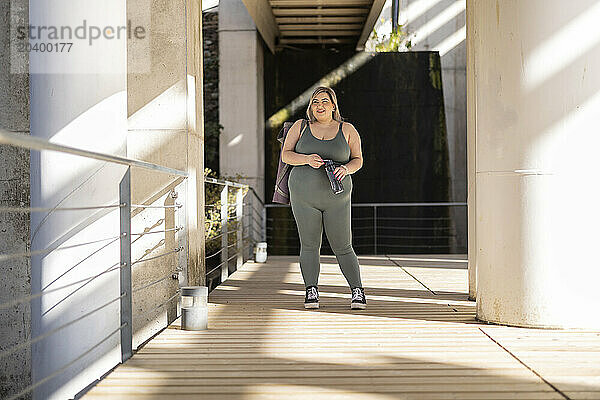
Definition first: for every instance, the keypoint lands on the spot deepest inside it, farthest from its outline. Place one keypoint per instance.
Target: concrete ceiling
(310, 22)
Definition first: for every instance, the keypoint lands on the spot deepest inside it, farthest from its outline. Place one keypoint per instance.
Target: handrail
(224, 182)
(388, 204)
(34, 143)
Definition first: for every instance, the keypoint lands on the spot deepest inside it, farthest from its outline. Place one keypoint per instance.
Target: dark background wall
(212, 129)
(395, 101)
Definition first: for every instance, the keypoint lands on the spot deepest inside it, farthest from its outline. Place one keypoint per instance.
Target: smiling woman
(313, 203)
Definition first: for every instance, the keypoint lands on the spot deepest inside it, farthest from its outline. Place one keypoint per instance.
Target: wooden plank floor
(417, 339)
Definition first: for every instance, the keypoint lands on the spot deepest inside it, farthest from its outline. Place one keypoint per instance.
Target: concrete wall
(210, 33)
(241, 96)
(82, 104)
(15, 322)
(440, 25)
(131, 98)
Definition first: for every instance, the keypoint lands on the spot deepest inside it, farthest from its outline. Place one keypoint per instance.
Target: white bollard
(261, 252)
(194, 308)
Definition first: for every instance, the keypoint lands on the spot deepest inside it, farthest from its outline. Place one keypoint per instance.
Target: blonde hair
(336, 112)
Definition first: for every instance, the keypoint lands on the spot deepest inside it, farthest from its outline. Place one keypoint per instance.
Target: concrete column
(471, 151)
(195, 163)
(79, 99)
(241, 103)
(537, 98)
(157, 132)
(15, 322)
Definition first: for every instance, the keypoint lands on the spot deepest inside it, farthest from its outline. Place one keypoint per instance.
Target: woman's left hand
(340, 172)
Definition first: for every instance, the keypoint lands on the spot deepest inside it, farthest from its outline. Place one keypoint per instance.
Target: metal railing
(379, 228)
(125, 238)
(226, 216)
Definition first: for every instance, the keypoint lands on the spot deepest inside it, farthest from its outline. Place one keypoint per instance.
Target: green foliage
(213, 223)
(435, 71)
(397, 41)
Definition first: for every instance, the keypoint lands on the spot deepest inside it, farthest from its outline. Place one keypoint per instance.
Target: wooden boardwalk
(417, 339)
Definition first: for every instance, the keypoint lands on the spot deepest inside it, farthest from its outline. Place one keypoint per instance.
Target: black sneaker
(312, 297)
(359, 301)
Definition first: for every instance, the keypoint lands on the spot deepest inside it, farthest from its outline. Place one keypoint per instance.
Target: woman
(313, 202)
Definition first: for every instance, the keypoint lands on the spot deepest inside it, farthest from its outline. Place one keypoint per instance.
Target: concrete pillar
(15, 322)
(471, 151)
(537, 98)
(195, 155)
(157, 133)
(241, 96)
(79, 99)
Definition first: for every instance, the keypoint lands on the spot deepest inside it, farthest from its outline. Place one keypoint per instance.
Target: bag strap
(303, 126)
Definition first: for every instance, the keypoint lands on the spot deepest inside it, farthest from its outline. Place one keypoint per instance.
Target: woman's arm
(356, 158)
(288, 155)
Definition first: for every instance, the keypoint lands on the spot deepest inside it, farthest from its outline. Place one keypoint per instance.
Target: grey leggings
(335, 216)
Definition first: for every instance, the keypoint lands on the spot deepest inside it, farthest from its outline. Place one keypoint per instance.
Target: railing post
(180, 239)
(224, 241)
(239, 209)
(125, 216)
(375, 228)
(263, 228)
(250, 223)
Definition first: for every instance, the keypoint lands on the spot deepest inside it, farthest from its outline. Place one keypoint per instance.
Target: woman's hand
(314, 160)
(340, 172)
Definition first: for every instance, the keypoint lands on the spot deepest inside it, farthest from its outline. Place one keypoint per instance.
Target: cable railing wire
(79, 263)
(219, 219)
(415, 237)
(223, 262)
(147, 285)
(214, 237)
(45, 209)
(212, 255)
(53, 331)
(155, 309)
(36, 295)
(11, 256)
(65, 367)
(79, 288)
(249, 206)
(415, 228)
(254, 212)
(409, 246)
(141, 260)
(176, 229)
(177, 205)
(219, 205)
(254, 219)
(415, 218)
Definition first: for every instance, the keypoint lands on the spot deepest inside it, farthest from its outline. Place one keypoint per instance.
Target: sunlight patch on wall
(561, 49)
(331, 79)
(438, 21)
(451, 41)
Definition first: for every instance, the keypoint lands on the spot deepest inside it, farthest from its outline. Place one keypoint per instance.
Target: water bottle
(336, 185)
